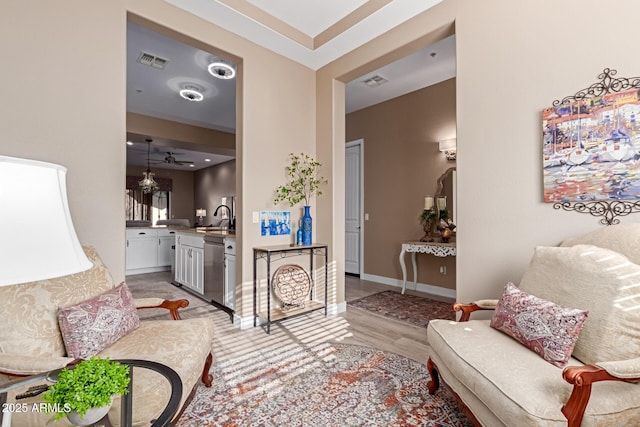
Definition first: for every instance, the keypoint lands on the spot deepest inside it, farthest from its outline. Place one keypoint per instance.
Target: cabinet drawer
(164, 232)
(190, 240)
(141, 233)
(229, 246)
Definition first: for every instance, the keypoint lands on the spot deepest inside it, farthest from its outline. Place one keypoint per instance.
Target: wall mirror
(446, 186)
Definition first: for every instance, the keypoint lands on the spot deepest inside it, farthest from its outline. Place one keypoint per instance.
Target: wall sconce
(448, 147)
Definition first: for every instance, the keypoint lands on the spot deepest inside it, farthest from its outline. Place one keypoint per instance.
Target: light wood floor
(354, 326)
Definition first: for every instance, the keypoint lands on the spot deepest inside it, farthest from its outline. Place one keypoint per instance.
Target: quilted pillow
(90, 326)
(546, 328)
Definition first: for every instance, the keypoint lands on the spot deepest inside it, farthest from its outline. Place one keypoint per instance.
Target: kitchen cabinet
(148, 250)
(189, 267)
(230, 272)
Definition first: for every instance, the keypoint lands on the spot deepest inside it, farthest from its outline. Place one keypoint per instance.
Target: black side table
(163, 420)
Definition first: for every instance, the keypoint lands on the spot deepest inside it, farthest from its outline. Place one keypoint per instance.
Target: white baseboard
(421, 287)
(334, 309)
(243, 322)
(147, 270)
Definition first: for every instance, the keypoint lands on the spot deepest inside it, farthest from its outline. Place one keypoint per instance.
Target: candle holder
(429, 219)
(435, 220)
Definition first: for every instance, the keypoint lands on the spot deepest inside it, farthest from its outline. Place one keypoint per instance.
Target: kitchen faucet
(232, 221)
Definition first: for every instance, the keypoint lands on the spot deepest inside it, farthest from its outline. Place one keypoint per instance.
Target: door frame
(360, 142)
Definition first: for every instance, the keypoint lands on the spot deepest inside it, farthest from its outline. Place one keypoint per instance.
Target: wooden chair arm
(467, 309)
(582, 377)
(171, 305)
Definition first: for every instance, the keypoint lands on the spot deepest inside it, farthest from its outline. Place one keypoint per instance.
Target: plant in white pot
(84, 393)
(303, 182)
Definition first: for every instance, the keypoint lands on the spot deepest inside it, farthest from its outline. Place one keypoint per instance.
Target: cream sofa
(500, 382)
(31, 342)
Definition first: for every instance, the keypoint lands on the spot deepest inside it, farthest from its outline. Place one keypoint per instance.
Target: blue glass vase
(306, 226)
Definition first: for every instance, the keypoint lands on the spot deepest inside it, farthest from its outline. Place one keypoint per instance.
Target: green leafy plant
(91, 384)
(303, 181)
(430, 214)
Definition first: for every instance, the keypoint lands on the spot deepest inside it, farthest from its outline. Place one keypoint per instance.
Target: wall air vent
(152, 60)
(375, 81)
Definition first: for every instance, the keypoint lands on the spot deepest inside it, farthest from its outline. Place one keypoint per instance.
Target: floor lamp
(39, 241)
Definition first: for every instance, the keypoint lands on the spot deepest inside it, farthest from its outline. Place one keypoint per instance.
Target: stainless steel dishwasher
(214, 269)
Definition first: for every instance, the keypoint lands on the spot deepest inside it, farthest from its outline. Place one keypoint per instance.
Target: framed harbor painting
(591, 146)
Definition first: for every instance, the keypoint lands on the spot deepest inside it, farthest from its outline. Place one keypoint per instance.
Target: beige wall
(512, 61)
(401, 166)
(191, 137)
(212, 184)
(182, 204)
(69, 107)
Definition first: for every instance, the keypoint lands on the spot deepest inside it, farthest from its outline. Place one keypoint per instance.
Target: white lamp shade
(39, 241)
(201, 212)
(447, 144)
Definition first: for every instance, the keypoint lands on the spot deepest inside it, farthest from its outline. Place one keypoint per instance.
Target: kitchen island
(205, 265)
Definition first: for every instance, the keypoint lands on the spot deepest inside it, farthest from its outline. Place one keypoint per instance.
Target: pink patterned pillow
(90, 326)
(546, 328)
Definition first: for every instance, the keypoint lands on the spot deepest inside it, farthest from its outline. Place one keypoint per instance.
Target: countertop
(204, 231)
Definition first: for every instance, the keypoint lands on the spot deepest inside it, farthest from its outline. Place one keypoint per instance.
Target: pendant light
(147, 183)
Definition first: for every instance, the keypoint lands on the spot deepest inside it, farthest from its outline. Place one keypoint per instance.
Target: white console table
(434, 248)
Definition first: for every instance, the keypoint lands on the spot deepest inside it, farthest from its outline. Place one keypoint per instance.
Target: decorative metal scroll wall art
(591, 149)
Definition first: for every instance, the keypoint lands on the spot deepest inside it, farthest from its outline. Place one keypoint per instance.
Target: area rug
(320, 385)
(406, 308)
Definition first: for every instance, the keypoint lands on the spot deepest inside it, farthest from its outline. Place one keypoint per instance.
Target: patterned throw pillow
(90, 326)
(546, 328)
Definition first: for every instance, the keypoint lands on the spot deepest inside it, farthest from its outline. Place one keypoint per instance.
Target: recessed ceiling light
(192, 165)
(207, 160)
(222, 70)
(191, 94)
(129, 143)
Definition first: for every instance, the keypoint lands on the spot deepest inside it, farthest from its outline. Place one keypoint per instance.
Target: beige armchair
(31, 342)
(501, 382)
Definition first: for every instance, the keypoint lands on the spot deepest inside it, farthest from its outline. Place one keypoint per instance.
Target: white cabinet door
(182, 265)
(197, 270)
(141, 253)
(230, 281)
(164, 250)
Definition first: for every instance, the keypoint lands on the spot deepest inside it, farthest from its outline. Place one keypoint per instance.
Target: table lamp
(201, 213)
(39, 241)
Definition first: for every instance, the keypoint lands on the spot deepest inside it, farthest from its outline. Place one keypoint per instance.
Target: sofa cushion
(596, 279)
(622, 238)
(517, 386)
(546, 328)
(30, 310)
(92, 325)
(181, 344)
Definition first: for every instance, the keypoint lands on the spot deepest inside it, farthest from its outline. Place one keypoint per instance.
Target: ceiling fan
(170, 159)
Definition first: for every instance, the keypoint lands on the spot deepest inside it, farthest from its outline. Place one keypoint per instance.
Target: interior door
(353, 208)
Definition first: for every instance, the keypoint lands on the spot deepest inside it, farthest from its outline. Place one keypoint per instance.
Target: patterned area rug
(321, 385)
(407, 308)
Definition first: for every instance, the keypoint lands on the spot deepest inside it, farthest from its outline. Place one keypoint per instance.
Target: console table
(283, 251)
(434, 248)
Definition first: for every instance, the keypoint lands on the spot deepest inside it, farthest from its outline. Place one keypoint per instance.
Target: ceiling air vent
(152, 60)
(375, 81)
